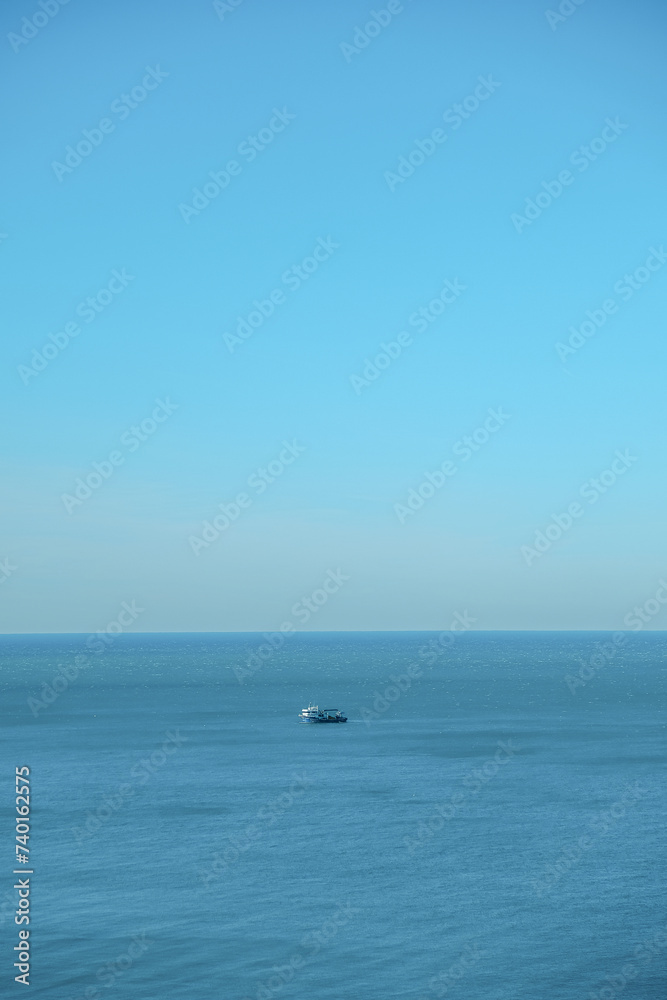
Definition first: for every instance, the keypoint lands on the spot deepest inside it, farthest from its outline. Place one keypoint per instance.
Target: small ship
(315, 714)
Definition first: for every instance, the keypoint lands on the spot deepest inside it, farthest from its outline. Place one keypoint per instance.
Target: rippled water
(479, 828)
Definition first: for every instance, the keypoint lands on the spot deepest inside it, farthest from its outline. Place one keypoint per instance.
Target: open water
(480, 828)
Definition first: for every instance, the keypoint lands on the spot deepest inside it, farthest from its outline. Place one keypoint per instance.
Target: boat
(315, 714)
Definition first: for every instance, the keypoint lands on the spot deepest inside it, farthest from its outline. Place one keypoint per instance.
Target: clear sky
(343, 178)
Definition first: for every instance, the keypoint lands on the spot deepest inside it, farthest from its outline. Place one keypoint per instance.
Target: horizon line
(337, 631)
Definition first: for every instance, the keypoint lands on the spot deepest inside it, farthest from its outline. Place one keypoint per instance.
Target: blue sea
(489, 824)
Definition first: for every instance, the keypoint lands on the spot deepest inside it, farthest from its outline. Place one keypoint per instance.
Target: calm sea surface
(480, 829)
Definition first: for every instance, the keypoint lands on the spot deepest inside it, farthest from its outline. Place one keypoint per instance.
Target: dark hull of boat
(315, 721)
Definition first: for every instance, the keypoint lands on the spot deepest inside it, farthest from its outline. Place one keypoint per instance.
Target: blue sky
(326, 177)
